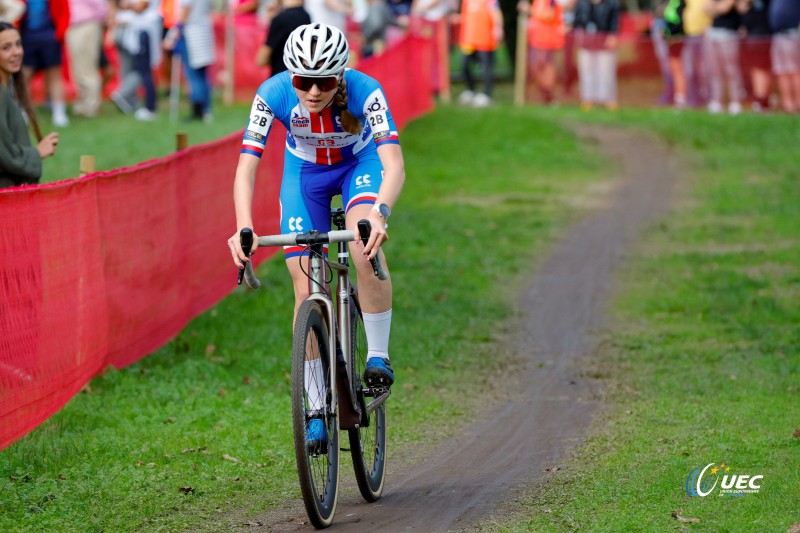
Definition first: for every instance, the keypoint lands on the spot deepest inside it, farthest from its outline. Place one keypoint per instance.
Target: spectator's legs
(729, 47)
(715, 71)
(199, 86)
(145, 70)
(84, 42)
(660, 50)
(694, 70)
(466, 66)
(54, 81)
(125, 95)
(585, 77)
(606, 72)
(675, 61)
(486, 60)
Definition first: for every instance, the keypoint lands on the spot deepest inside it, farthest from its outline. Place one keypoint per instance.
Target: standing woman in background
(546, 36)
(193, 38)
(596, 25)
(784, 19)
(43, 29)
(722, 40)
(19, 161)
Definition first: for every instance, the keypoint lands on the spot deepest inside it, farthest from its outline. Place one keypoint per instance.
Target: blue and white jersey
(318, 137)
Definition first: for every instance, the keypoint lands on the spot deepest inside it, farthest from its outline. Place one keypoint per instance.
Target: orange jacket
(546, 28)
(478, 21)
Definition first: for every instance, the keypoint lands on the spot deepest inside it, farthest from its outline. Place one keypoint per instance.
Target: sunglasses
(305, 83)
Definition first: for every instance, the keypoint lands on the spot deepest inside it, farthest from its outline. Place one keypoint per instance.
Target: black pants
(486, 62)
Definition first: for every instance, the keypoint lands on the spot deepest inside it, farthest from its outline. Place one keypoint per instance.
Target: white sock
(59, 109)
(314, 379)
(377, 326)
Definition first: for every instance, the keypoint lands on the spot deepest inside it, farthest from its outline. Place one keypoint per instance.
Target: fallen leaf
(246, 380)
(151, 465)
(168, 456)
(794, 528)
(221, 393)
(677, 516)
(86, 389)
(169, 420)
(229, 458)
(552, 469)
(61, 477)
(139, 463)
(796, 433)
(186, 490)
(210, 349)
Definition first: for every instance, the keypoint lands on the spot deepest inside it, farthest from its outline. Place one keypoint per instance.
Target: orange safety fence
(104, 269)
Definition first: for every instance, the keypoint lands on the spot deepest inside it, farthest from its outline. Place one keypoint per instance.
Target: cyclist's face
(312, 93)
(10, 53)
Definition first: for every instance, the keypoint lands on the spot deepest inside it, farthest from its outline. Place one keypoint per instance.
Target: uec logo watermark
(703, 480)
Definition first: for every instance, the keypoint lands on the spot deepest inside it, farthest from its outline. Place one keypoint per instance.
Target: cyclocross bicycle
(329, 332)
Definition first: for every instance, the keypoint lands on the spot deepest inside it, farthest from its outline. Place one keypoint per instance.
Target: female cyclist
(341, 140)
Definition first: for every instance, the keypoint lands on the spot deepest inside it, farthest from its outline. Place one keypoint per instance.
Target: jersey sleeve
(375, 109)
(268, 104)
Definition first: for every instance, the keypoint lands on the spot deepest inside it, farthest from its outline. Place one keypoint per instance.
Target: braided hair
(350, 122)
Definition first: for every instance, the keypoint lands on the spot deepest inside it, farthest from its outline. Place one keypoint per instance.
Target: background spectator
(695, 24)
(19, 161)
(756, 50)
(330, 12)
(193, 38)
(292, 16)
(672, 13)
(43, 28)
(481, 32)
(11, 10)
(546, 35)
(84, 42)
(597, 23)
(784, 18)
(137, 36)
(723, 57)
(373, 28)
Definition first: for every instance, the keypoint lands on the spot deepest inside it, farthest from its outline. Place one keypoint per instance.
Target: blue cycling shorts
(307, 190)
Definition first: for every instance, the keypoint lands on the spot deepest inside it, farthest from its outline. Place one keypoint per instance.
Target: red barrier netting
(102, 270)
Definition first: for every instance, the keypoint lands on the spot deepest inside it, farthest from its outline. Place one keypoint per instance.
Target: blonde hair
(350, 122)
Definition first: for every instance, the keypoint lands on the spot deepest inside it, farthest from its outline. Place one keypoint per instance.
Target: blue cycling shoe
(317, 436)
(378, 372)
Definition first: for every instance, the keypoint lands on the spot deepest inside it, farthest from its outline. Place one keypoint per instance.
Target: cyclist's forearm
(394, 174)
(243, 187)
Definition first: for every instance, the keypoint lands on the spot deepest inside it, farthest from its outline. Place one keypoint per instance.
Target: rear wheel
(314, 399)
(367, 444)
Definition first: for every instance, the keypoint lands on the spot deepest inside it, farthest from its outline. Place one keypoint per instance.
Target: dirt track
(562, 310)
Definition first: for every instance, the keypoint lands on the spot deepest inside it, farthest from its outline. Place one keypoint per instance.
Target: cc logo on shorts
(295, 224)
(363, 181)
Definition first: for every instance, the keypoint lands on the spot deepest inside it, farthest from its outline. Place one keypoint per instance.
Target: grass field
(197, 436)
(705, 364)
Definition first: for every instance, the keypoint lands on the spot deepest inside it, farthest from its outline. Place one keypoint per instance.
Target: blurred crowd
(718, 54)
(721, 55)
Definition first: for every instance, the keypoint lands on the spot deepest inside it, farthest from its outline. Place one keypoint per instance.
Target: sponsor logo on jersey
(300, 121)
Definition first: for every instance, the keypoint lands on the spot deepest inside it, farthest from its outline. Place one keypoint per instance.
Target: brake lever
(246, 238)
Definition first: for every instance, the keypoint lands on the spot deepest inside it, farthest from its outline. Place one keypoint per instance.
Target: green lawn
(705, 365)
(197, 436)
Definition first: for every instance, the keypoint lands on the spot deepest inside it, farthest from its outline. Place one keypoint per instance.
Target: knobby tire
(318, 472)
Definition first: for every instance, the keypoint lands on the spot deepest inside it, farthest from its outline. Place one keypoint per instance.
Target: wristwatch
(383, 210)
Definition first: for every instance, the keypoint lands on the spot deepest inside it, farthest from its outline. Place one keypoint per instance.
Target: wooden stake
(181, 141)
(521, 70)
(86, 165)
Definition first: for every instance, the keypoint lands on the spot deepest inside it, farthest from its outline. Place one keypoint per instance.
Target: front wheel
(314, 404)
(367, 444)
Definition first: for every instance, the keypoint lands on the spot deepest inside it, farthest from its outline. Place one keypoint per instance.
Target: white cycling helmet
(316, 50)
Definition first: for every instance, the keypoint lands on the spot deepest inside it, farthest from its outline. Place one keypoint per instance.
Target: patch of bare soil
(518, 441)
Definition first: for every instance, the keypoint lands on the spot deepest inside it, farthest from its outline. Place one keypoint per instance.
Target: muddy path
(550, 409)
